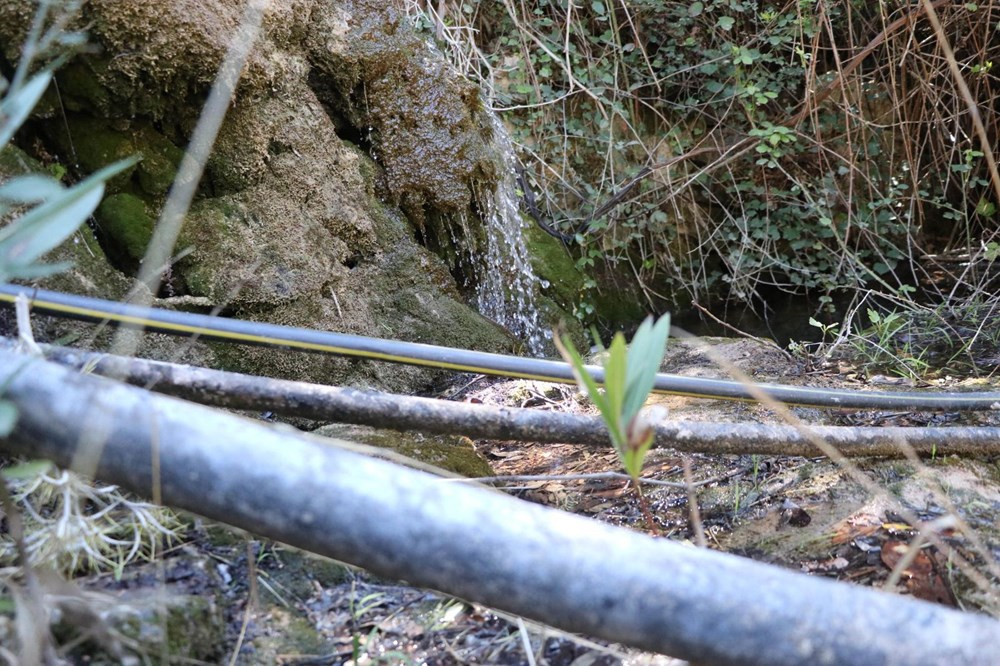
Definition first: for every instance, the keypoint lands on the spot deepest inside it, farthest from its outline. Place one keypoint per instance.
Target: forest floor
(270, 604)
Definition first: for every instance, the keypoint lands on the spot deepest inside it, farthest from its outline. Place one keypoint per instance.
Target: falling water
(508, 286)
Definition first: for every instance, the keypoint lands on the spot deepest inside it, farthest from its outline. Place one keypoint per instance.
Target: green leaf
(726, 23)
(16, 107)
(8, 417)
(587, 384)
(695, 9)
(26, 470)
(598, 7)
(632, 458)
(46, 226)
(648, 345)
(638, 351)
(992, 251)
(615, 373)
(985, 207)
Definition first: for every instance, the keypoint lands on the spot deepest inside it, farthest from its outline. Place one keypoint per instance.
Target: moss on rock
(127, 223)
(292, 224)
(426, 122)
(553, 265)
(93, 143)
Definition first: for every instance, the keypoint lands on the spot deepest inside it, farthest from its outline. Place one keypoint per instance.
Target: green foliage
(629, 376)
(57, 213)
(718, 146)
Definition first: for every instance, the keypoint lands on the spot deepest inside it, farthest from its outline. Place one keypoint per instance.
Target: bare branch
(399, 412)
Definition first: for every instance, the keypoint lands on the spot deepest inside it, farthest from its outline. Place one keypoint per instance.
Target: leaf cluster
(629, 376)
(37, 212)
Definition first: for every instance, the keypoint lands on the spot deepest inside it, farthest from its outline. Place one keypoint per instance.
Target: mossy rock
(171, 608)
(94, 143)
(618, 304)
(14, 161)
(426, 123)
(562, 280)
(292, 225)
(287, 633)
(126, 221)
(300, 572)
(564, 322)
(91, 273)
(450, 452)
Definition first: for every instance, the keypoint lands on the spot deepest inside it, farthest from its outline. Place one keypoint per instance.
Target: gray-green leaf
(8, 417)
(46, 226)
(16, 106)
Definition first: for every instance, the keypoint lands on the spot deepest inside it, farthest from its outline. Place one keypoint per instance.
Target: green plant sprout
(629, 375)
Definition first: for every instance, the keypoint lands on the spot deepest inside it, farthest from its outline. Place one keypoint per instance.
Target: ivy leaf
(726, 23)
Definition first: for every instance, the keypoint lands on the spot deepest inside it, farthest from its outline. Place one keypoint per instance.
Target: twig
(693, 510)
(618, 476)
(398, 412)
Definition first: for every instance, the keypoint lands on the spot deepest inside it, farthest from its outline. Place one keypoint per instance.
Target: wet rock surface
(294, 223)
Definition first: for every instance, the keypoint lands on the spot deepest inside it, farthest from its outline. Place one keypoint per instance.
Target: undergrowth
(719, 148)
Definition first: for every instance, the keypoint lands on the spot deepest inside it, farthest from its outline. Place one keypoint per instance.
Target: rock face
(294, 222)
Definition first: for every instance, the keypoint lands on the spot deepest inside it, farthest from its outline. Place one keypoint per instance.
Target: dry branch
(571, 572)
(397, 412)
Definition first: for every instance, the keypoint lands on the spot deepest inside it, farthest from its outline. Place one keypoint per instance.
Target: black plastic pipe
(464, 360)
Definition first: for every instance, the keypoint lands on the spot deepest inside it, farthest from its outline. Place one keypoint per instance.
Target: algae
(561, 280)
(127, 222)
(450, 452)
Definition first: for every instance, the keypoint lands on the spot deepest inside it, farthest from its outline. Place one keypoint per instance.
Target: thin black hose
(464, 360)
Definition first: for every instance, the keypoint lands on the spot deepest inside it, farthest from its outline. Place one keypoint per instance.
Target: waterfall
(507, 287)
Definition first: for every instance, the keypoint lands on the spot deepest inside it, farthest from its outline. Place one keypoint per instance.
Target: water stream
(508, 287)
